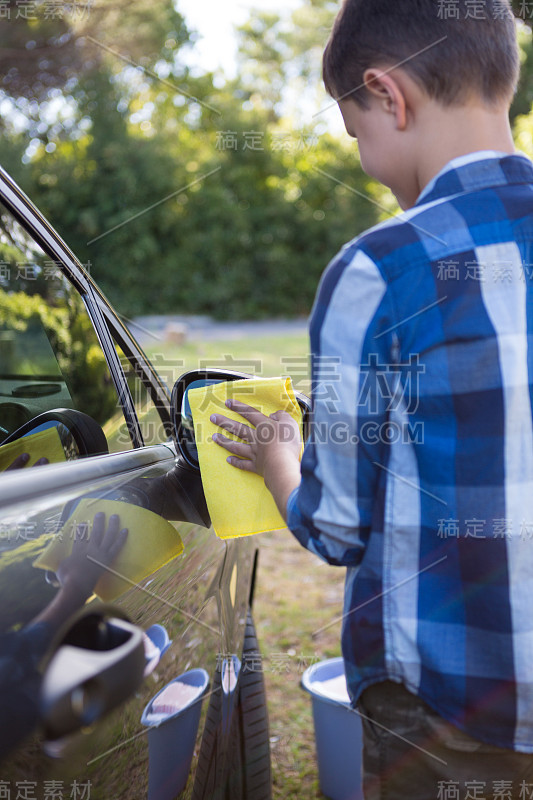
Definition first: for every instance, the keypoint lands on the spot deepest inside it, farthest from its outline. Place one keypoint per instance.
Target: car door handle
(98, 665)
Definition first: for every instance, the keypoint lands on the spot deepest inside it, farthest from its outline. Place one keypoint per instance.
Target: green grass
(261, 356)
(296, 593)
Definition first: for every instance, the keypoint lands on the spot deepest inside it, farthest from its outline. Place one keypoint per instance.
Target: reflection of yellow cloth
(151, 543)
(44, 443)
(239, 502)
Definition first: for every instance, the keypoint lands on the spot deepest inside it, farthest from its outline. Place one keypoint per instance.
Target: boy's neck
(449, 132)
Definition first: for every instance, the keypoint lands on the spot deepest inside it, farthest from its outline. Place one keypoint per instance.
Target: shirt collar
(476, 171)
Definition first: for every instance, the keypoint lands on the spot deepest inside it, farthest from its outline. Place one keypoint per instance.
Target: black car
(91, 439)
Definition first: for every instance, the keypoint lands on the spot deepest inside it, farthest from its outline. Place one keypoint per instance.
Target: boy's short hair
(478, 56)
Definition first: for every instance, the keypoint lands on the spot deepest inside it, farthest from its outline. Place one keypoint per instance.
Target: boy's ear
(382, 85)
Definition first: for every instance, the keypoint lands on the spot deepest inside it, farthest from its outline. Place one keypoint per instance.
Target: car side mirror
(182, 423)
(79, 434)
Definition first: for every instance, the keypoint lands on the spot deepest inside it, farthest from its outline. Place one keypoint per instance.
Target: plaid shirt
(418, 474)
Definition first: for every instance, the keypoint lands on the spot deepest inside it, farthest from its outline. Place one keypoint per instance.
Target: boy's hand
(271, 439)
(21, 461)
(78, 574)
(270, 448)
(91, 555)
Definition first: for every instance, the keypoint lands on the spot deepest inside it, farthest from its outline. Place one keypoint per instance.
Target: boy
(427, 498)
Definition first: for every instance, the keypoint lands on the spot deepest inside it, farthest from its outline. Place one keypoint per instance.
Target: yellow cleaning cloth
(44, 443)
(239, 502)
(151, 543)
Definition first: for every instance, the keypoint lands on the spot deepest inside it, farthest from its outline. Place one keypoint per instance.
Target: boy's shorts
(415, 754)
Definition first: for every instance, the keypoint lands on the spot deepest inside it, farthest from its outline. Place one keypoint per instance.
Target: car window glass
(50, 356)
(152, 428)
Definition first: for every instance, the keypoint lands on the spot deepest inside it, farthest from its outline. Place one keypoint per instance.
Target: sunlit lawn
(260, 356)
(296, 595)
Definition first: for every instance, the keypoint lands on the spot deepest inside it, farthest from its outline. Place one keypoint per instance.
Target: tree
(277, 51)
(524, 96)
(49, 45)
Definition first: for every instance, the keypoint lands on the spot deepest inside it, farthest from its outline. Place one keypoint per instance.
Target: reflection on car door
(53, 357)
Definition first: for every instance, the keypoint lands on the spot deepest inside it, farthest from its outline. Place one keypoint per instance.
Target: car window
(150, 422)
(50, 356)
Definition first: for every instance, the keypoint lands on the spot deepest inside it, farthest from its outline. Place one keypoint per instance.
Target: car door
(62, 347)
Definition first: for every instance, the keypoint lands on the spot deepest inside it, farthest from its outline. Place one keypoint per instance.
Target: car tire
(244, 771)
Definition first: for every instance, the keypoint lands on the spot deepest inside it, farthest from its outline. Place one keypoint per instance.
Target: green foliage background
(253, 237)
